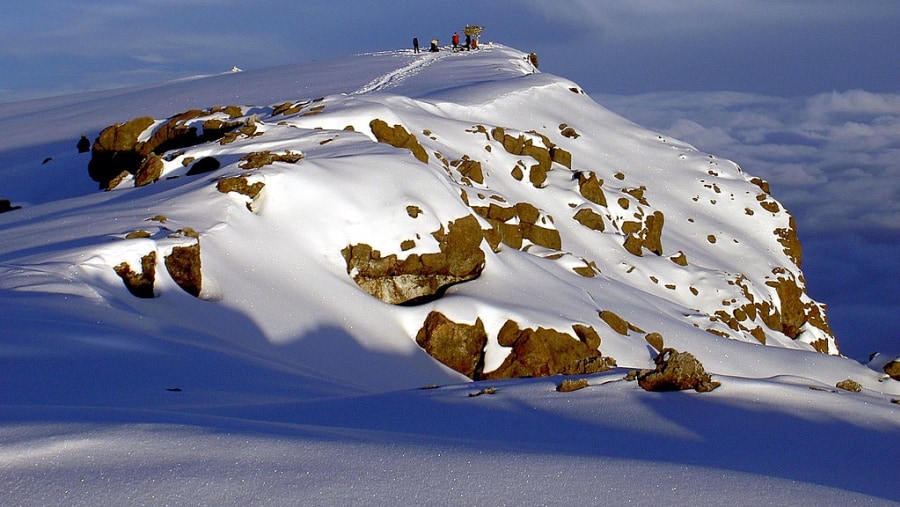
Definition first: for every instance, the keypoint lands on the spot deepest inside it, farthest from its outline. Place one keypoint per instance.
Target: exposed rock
(618, 324)
(648, 234)
(419, 278)
(240, 185)
(542, 352)
(204, 165)
(139, 284)
(471, 169)
(259, 159)
(150, 170)
(676, 371)
(183, 265)
(590, 187)
(788, 238)
(398, 137)
(655, 340)
(458, 346)
(569, 385)
(587, 334)
(117, 149)
(522, 146)
(590, 219)
(680, 258)
(524, 226)
(6, 205)
(849, 385)
(893, 369)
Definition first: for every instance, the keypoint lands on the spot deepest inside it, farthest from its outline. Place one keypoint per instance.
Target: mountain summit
(462, 204)
(446, 277)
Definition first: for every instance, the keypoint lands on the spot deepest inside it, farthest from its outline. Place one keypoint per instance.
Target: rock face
(118, 150)
(183, 265)
(417, 278)
(6, 205)
(458, 346)
(676, 371)
(139, 284)
(542, 352)
(398, 137)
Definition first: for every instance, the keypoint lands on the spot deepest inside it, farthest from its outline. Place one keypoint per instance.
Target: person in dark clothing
(84, 144)
(468, 42)
(434, 46)
(415, 44)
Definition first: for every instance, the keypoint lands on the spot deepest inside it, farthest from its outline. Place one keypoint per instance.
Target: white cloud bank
(833, 158)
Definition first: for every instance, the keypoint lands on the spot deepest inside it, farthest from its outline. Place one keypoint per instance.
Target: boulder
(457, 346)
(419, 278)
(542, 352)
(139, 284)
(676, 371)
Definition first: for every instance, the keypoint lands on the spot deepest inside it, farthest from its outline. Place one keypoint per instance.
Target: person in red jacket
(455, 41)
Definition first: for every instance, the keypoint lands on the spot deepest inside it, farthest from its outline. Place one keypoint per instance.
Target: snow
(286, 383)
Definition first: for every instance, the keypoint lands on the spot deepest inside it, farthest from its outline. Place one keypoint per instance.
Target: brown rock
(458, 346)
(543, 352)
(893, 369)
(676, 371)
(139, 284)
(183, 265)
(398, 137)
(420, 278)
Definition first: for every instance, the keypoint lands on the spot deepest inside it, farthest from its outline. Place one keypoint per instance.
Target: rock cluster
(418, 278)
(118, 151)
(676, 371)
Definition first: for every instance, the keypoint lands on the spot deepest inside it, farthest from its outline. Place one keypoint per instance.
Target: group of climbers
(472, 33)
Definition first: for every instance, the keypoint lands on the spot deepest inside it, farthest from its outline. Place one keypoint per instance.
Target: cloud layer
(833, 158)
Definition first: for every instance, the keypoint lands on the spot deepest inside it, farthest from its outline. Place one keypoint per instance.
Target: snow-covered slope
(258, 315)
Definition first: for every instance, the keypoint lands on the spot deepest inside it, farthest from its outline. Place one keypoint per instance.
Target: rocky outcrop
(118, 152)
(543, 155)
(458, 346)
(398, 137)
(893, 369)
(139, 284)
(676, 371)
(542, 352)
(183, 265)
(240, 185)
(6, 205)
(419, 278)
(511, 225)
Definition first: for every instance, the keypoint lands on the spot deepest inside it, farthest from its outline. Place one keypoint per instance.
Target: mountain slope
(276, 251)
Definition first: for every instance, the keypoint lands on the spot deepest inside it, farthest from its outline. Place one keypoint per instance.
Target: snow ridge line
(394, 78)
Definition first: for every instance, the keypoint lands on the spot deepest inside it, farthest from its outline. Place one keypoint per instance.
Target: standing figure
(434, 45)
(415, 44)
(468, 42)
(455, 41)
(84, 144)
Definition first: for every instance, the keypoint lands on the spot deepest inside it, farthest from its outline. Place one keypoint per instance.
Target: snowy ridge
(581, 216)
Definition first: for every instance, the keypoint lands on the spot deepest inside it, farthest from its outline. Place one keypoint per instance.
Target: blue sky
(812, 102)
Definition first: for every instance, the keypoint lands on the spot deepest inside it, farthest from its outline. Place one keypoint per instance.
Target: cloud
(833, 159)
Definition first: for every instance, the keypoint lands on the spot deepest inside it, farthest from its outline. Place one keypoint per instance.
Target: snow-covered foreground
(284, 383)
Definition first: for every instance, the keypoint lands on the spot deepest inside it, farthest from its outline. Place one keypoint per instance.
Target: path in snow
(394, 78)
